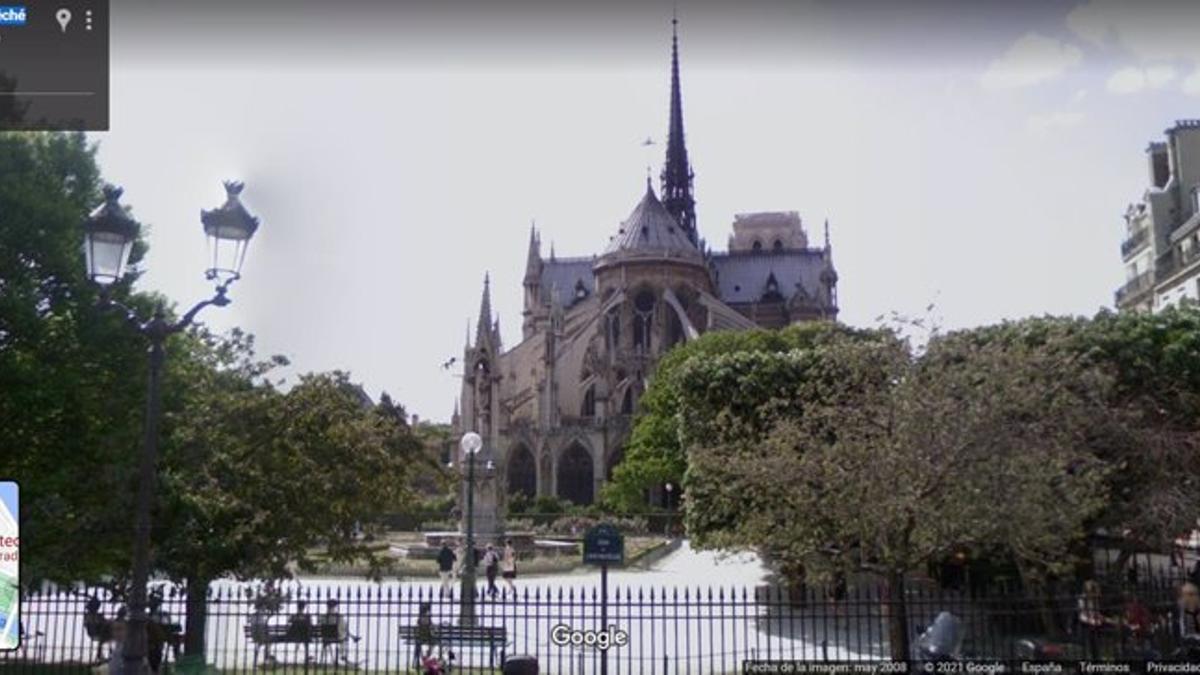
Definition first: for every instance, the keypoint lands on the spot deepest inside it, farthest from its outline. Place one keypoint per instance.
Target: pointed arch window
(627, 401)
(614, 328)
(643, 306)
(777, 246)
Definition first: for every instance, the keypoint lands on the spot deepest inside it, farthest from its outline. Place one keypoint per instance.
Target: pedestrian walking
(491, 567)
(1185, 621)
(335, 634)
(508, 566)
(446, 563)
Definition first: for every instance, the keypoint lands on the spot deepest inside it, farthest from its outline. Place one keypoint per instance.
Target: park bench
(296, 633)
(495, 638)
(100, 631)
(326, 635)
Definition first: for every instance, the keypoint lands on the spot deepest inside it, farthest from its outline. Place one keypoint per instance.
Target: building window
(627, 402)
(757, 246)
(777, 246)
(614, 329)
(643, 305)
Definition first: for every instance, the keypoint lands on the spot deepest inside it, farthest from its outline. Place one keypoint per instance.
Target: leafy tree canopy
(655, 453)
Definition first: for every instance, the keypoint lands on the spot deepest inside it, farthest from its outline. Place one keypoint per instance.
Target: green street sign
(603, 545)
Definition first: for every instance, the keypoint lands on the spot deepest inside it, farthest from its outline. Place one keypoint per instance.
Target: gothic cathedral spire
(484, 327)
(677, 172)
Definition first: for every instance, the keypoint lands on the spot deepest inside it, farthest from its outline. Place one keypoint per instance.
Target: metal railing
(1136, 240)
(1135, 286)
(667, 630)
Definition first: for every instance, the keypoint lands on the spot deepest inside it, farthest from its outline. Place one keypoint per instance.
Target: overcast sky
(973, 155)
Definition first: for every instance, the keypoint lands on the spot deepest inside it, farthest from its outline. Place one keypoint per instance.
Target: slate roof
(742, 276)
(650, 228)
(563, 274)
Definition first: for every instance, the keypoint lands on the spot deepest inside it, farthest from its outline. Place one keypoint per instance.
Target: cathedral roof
(565, 276)
(745, 276)
(651, 229)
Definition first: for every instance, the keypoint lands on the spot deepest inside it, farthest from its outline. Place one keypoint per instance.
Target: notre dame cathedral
(555, 410)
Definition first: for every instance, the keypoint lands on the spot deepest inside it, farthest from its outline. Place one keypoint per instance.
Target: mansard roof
(651, 230)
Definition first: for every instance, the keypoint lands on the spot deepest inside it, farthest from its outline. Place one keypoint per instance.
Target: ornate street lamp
(229, 229)
(109, 234)
(471, 444)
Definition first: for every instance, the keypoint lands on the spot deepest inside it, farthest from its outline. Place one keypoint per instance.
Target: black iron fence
(322, 625)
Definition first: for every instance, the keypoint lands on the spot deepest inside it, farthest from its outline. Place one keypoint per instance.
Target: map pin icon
(64, 17)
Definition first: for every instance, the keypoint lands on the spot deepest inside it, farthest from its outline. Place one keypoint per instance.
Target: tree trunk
(898, 637)
(197, 617)
(1036, 588)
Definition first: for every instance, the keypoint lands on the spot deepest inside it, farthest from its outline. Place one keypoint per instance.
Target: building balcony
(1173, 261)
(1136, 242)
(1134, 288)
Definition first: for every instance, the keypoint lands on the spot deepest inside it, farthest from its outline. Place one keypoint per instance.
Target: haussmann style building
(555, 409)
(1161, 249)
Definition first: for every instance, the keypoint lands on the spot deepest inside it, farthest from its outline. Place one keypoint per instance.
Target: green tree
(881, 460)
(655, 455)
(257, 482)
(1155, 362)
(254, 480)
(72, 379)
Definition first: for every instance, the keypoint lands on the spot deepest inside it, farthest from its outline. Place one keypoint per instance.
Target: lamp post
(670, 489)
(471, 444)
(109, 234)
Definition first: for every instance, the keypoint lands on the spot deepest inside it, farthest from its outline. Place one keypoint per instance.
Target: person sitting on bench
(425, 635)
(300, 627)
(97, 627)
(260, 633)
(160, 632)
